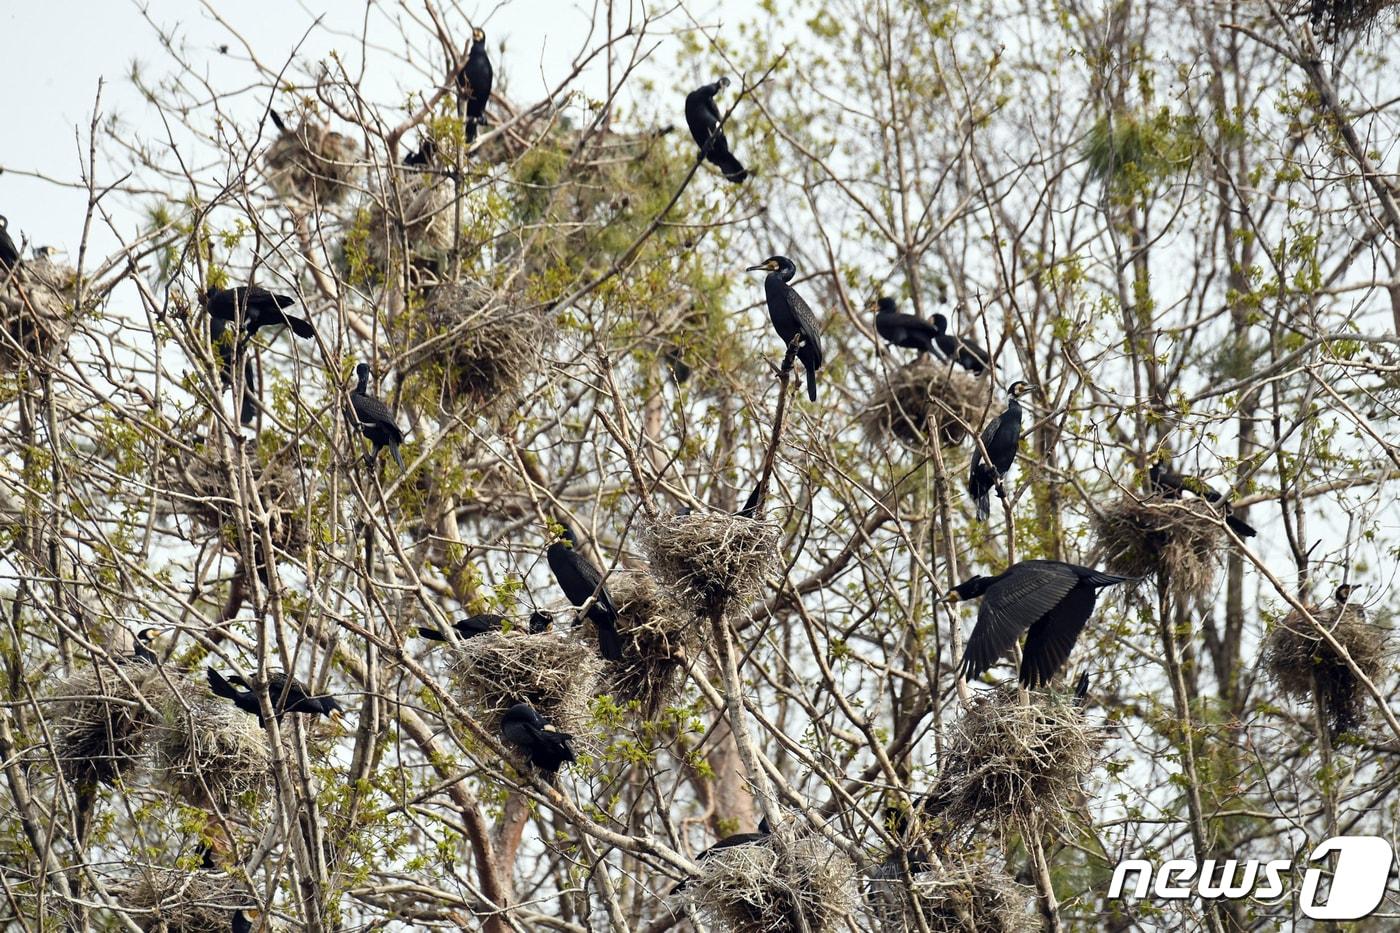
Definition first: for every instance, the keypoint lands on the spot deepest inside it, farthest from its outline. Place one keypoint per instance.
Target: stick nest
(1294, 653)
(199, 488)
(211, 753)
(419, 213)
(758, 888)
(714, 562)
(487, 344)
(1177, 540)
(36, 311)
(1333, 19)
(660, 639)
(174, 901)
(1013, 765)
(101, 724)
(962, 893)
(312, 165)
(924, 399)
(555, 674)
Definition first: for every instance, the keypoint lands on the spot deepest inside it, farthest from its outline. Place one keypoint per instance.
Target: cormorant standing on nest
(141, 652)
(961, 350)
(227, 348)
(475, 625)
(243, 920)
(1050, 598)
(1161, 478)
(474, 83)
(902, 330)
(580, 580)
(260, 308)
(791, 317)
(375, 420)
(287, 695)
(9, 253)
(728, 842)
(702, 116)
(1001, 438)
(546, 747)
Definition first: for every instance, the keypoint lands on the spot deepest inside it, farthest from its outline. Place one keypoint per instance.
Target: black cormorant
(546, 747)
(375, 420)
(474, 83)
(287, 695)
(424, 155)
(475, 625)
(580, 580)
(1049, 598)
(1001, 438)
(791, 317)
(243, 920)
(702, 116)
(141, 646)
(961, 350)
(227, 348)
(9, 253)
(1161, 478)
(728, 842)
(902, 330)
(260, 308)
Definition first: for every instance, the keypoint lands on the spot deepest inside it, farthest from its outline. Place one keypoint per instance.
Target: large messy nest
(925, 399)
(1333, 19)
(954, 894)
(1296, 656)
(174, 901)
(101, 721)
(36, 311)
(1177, 540)
(211, 753)
(715, 562)
(660, 640)
(554, 673)
(198, 487)
(1013, 765)
(488, 344)
(312, 164)
(409, 221)
(761, 887)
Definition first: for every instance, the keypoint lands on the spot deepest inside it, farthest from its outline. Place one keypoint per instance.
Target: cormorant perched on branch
(1050, 598)
(902, 330)
(1162, 479)
(9, 253)
(475, 625)
(546, 747)
(260, 308)
(702, 116)
(791, 317)
(580, 581)
(375, 420)
(474, 83)
(287, 695)
(961, 350)
(1001, 438)
(227, 348)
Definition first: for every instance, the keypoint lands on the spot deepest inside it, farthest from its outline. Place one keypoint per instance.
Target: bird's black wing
(371, 411)
(9, 253)
(220, 686)
(806, 322)
(1012, 605)
(1051, 639)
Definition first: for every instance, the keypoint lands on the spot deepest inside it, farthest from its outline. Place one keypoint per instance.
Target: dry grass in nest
(759, 888)
(100, 723)
(1177, 540)
(660, 639)
(1295, 654)
(312, 164)
(554, 673)
(488, 345)
(198, 487)
(715, 562)
(174, 901)
(1331, 19)
(419, 212)
(1013, 765)
(36, 311)
(210, 752)
(958, 894)
(926, 397)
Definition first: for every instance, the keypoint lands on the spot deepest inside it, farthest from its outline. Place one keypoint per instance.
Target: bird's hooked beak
(549, 727)
(478, 35)
(872, 305)
(952, 596)
(765, 266)
(337, 717)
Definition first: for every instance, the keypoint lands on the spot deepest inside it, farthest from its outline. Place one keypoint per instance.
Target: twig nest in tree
(1332, 19)
(1296, 656)
(37, 312)
(100, 722)
(174, 901)
(212, 753)
(660, 640)
(713, 562)
(312, 165)
(486, 345)
(199, 487)
(924, 399)
(759, 888)
(1178, 540)
(554, 673)
(1012, 765)
(412, 219)
(954, 894)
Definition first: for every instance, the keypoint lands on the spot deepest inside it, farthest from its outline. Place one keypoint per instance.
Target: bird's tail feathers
(398, 458)
(1240, 526)
(811, 384)
(431, 634)
(984, 506)
(301, 327)
(220, 686)
(609, 644)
